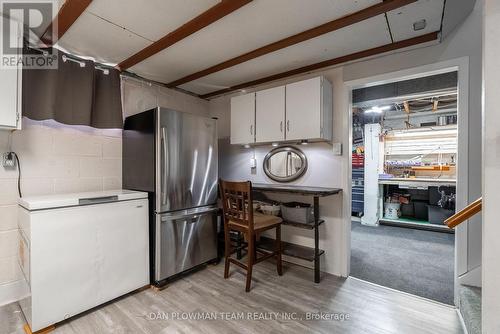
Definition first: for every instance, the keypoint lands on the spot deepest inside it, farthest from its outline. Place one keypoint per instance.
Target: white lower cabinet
(75, 258)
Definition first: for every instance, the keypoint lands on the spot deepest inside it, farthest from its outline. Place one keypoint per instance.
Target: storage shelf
(289, 249)
(306, 226)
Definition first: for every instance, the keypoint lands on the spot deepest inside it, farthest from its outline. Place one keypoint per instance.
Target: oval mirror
(285, 164)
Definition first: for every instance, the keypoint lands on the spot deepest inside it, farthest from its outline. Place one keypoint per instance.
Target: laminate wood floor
(275, 304)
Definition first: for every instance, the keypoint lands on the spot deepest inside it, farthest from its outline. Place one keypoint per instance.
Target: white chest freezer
(78, 251)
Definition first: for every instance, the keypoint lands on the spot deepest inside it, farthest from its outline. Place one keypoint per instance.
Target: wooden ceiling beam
(206, 18)
(364, 14)
(331, 62)
(70, 11)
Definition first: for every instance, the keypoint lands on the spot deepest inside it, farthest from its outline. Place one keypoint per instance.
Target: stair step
(470, 307)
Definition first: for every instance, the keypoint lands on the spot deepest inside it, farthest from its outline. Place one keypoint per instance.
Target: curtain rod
(133, 76)
(123, 74)
(97, 66)
(75, 59)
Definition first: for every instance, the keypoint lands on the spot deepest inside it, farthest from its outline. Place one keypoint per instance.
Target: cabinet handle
(281, 126)
(251, 129)
(288, 126)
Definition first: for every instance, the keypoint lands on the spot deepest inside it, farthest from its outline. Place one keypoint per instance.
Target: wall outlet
(8, 160)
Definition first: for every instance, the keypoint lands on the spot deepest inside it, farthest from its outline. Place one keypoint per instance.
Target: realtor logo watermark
(30, 22)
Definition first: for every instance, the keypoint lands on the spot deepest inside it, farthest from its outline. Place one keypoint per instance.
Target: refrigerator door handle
(164, 167)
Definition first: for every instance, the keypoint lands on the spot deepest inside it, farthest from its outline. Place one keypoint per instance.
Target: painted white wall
(54, 159)
(58, 158)
(139, 96)
(491, 169)
(324, 169)
(465, 41)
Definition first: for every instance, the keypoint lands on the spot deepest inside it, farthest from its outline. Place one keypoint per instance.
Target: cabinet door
(303, 109)
(10, 86)
(270, 115)
(243, 119)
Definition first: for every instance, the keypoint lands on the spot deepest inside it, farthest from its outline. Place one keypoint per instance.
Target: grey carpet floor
(414, 261)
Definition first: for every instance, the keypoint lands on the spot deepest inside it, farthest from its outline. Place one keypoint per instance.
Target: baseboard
(462, 322)
(12, 292)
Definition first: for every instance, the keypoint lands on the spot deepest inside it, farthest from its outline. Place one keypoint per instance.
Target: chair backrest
(237, 202)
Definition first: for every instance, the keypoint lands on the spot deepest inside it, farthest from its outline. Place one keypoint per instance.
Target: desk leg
(316, 240)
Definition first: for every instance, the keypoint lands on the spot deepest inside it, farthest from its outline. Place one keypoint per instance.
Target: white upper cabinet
(243, 119)
(309, 110)
(270, 115)
(299, 111)
(10, 83)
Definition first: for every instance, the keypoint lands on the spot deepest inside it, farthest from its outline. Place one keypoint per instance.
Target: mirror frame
(290, 178)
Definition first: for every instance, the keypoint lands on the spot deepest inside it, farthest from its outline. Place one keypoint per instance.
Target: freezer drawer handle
(193, 216)
(96, 200)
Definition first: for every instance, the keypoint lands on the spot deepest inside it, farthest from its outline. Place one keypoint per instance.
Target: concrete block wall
(57, 158)
(54, 159)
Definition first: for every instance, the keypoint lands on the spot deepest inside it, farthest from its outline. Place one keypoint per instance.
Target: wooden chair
(239, 216)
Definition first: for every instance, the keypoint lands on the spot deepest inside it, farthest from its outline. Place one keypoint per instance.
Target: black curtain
(107, 102)
(73, 94)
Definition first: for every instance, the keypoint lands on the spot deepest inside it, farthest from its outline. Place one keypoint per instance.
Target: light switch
(337, 148)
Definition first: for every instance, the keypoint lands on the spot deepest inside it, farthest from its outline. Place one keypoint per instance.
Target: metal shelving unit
(293, 250)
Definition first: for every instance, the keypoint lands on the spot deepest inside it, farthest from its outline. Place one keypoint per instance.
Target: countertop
(420, 180)
(303, 190)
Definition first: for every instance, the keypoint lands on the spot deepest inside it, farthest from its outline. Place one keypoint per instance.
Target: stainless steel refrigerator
(173, 156)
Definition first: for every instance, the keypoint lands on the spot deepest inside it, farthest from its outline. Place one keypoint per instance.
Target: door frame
(461, 65)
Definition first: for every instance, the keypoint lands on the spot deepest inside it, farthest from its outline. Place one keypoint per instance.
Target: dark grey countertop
(303, 190)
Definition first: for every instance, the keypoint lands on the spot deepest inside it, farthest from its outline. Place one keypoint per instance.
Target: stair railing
(464, 214)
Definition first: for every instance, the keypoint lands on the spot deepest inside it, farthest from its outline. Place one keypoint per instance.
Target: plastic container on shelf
(438, 215)
(273, 210)
(297, 212)
(421, 211)
(392, 210)
(407, 210)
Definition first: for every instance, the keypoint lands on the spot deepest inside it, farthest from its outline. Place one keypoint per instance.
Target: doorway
(397, 235)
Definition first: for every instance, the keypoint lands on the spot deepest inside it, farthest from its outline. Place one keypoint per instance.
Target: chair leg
(279, 250)
(227, 250)
(251, 260)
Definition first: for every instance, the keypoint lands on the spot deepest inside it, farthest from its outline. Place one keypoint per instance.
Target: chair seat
(261, 221)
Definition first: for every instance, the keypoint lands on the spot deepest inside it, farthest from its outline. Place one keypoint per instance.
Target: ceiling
(111, 31)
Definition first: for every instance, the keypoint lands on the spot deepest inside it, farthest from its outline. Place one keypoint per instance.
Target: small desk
(290, 249)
